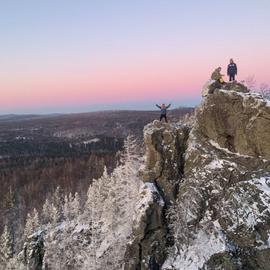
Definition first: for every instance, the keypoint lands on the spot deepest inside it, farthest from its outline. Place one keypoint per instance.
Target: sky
(60, 56)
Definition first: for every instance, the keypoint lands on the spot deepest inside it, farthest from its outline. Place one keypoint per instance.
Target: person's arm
(167, 107)
(235, 69)
(158, 106)
(228, 70)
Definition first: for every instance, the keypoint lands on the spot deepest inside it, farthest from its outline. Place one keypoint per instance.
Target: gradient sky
(84, 55)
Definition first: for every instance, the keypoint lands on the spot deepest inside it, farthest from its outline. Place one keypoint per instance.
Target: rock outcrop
(147, 248)
(224, 198)
(211, 86)
(236, 121)
(165, 146)
(162, 171)
(215, 181)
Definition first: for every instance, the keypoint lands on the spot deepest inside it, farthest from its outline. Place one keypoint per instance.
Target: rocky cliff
(215, 180)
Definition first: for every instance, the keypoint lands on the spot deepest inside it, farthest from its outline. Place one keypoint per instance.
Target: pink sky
(126, 55)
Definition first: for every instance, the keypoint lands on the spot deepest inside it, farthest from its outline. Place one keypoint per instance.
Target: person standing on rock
(163, 111)
(232, 70)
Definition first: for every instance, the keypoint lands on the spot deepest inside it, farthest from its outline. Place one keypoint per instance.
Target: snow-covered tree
(72, 206)
(6, 246)
(87, 237)
(110, 206)
(46, 212)
(31, 225)
(52, 211)
(58, 202)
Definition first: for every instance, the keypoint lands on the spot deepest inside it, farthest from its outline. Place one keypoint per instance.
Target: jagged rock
(236, 121)
(162, 171)
(258, 260)
(165, 145)
(224, 198)
(146, 251)
(211, 86)
(236, 86)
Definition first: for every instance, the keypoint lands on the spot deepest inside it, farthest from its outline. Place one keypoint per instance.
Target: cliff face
(161, 172)
(215, 180)
(236, 121)
(164, 157)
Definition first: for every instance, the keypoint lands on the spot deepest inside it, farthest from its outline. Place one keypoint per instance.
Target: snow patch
(216, 145)
(199, 251)
(81, 227)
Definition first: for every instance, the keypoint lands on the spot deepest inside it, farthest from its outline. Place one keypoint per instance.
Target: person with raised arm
(163, 111)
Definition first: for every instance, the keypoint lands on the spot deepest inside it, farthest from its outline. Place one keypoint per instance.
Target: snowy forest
(81, 235)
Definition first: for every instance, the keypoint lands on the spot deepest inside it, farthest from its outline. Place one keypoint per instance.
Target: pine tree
(31, 225)
(108, 213)
(6, 246)
(75, 206)
(58, 202)
(110, 205)
(52, 211)
(46, 212)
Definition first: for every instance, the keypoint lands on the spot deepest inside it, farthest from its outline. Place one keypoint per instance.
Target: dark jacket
(163, 110)
(232, 69)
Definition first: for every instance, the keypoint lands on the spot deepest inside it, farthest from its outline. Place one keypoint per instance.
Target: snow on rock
(216, 145)
(199, 250)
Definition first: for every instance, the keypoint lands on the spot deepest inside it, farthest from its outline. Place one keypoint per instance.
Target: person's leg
(165, 116)
(160, 118)
(233, 77)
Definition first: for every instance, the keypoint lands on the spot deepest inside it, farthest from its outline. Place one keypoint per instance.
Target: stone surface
(211, 86)
(165, 146)
(146, 251)
(236, 121)
(224, 196)
(235, 86)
